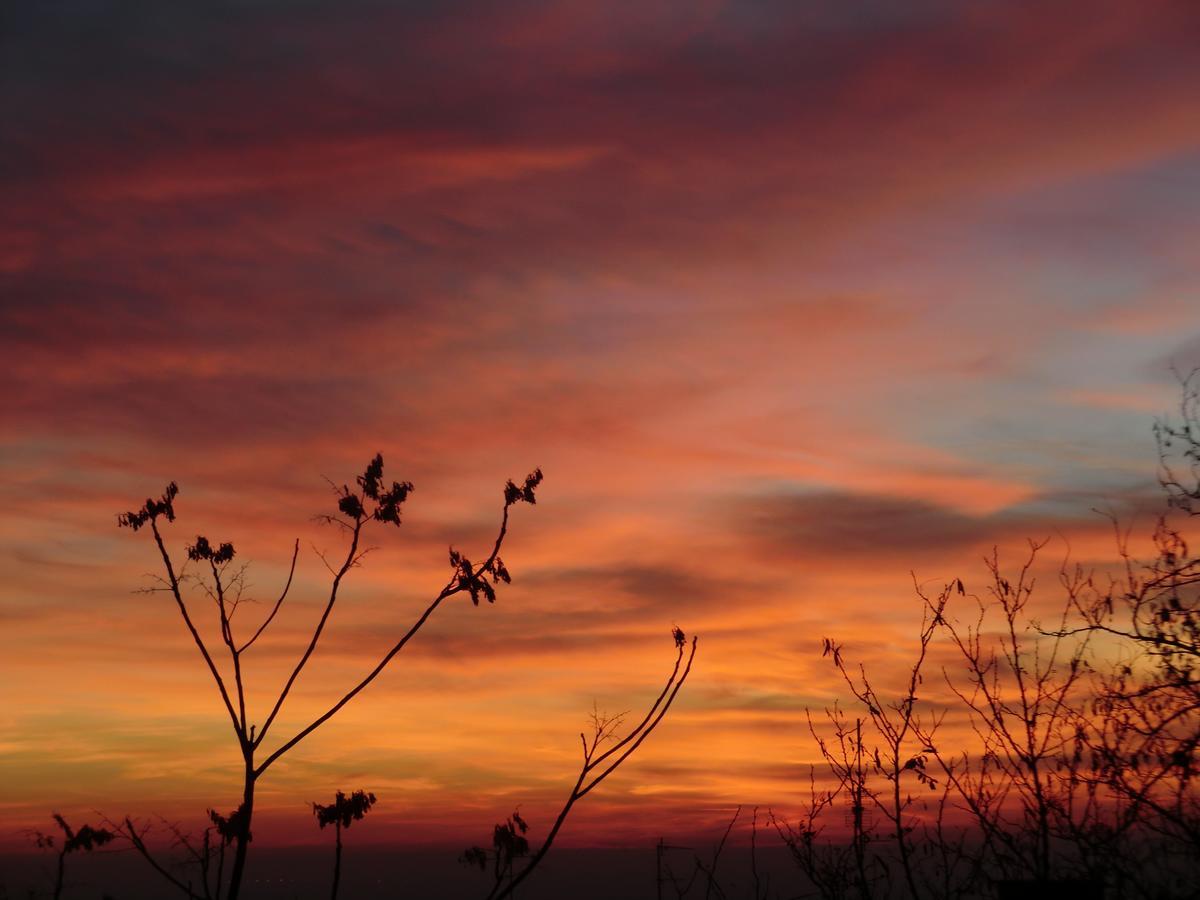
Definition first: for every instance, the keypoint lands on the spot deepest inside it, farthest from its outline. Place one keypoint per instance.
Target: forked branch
(599, 765)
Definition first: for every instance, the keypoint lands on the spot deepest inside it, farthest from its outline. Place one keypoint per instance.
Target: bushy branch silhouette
(340, 813)
(370, 500)
(85, 839)
(508, 845)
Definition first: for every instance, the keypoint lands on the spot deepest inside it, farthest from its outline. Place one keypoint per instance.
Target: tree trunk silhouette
(58, 881)
(242, 840)
(337, 860)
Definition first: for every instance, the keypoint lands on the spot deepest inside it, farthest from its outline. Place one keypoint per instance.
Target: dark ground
(374, 872)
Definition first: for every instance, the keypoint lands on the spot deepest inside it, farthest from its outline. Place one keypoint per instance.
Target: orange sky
(787, 301)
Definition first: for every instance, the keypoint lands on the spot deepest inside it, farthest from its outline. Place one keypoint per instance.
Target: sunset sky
(792, 302)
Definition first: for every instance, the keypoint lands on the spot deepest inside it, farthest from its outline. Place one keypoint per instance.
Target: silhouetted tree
(371, 501)
(709, 869)
(209, 860)
(1079, 772)
(508, 845)
(704, 870)
(1178, 443)
(898, 755)
(836, 869)
(1145, 739)
(1023, 689)
(875, 759)
(85, 839)
(597, 765)
(340, 813)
